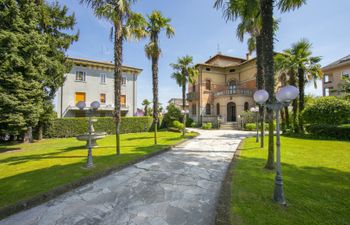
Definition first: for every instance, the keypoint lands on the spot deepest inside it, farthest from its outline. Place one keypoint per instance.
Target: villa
(224, 89)
(333, 74)
(91, 80)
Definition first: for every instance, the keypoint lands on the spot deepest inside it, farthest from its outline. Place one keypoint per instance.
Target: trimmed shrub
(189, 122)
(330, 131)
(71, 127)
(327, 110)
(193, 124)
(173, 113)
(248, 116)
(252, 126)
(207, 126)
(178, 125)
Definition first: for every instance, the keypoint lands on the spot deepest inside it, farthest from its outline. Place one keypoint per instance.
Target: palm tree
(185, 72)
(156, 23)
(302, 67)
(308, 69)
(125, 25)
(146, 103)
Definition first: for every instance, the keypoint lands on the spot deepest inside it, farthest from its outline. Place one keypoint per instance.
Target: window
(232, 70)
(193, 88)
(207, 69)
(123, 100)
(232, 85)
(346, 74)
(80, 76)
(246, 106)
(207, 109)
(79, 97)
(208, 84)
(217, 109)
(103, 78)
(103, 98)
(123, 80)
(326, 78)
(194, 109)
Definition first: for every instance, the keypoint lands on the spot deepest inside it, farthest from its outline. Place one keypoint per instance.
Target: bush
(189, 122)
(71, 127)
(252, 126)
(248, 117)
(207, 126)
(173, 113)
(330, 131)
(327, 110)
(193, 124)
(178, 125)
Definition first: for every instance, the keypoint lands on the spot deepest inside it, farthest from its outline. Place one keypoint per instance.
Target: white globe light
(261, 96)
(95, 105)
(287, 93)
(81, 105)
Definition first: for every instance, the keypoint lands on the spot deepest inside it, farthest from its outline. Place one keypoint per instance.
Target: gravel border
(55, 192)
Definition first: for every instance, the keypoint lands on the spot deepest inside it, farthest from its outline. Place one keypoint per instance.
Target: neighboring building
(178, 103)
(333, 74)
(224, 88)
(90, 81)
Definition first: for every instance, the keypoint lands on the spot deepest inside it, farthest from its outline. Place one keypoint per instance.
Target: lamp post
(284, 96)
(256, 111)
(93, 107)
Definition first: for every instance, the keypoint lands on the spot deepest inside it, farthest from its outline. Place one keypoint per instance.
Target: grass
(316, 179)
(29, 169)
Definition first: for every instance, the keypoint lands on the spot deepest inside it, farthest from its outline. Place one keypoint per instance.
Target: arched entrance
(231, 112)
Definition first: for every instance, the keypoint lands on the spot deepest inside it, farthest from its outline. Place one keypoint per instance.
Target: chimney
(248, 56)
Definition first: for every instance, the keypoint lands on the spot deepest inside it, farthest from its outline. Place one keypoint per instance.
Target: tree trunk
(260, 85)
(292, 81)
(286, 111)
(301, 83)
(118, 60)
(40, 131)
(266, 7)
(184, 106)
(155, 95)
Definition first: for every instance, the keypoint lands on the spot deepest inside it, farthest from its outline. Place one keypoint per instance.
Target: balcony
(192, 96)
(236, 91)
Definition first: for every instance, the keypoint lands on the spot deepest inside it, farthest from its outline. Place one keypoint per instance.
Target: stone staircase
(229, 126)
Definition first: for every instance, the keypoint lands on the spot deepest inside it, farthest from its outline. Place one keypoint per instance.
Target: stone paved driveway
(177, 187)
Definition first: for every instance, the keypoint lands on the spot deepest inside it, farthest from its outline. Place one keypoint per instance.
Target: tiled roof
(338, 62)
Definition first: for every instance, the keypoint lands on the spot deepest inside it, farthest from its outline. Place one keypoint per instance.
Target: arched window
(207, 109)
(217, 109)
(246, 106)
(208, 85)
(232, 85)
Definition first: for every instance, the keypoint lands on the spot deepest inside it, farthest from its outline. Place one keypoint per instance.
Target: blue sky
(200, 29)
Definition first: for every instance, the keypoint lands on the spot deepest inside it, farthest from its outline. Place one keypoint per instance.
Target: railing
(236, 91)
(192, 96)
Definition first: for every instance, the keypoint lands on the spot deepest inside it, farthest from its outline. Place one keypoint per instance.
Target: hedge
(71, 127)
(252, 126)
(330, 131)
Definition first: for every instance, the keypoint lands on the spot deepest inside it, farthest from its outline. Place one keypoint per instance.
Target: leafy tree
(173, 113)
(298, 60)
(146, 103)
(344, 88)
(156, 23)
(185, 72)
(126, 25)
(25, 55)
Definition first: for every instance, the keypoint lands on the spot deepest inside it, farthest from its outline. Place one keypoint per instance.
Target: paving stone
(179, 187)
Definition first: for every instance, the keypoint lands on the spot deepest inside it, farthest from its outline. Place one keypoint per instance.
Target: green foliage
(178, 125)
(248, 117)
(173, 113)
(32, 55)
(189, 122)
(252, 126)
(193, 124)
(207, 126)
(327, 110)
(330, 131)
(70, 127)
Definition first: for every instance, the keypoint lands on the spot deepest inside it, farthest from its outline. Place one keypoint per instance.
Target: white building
(90, 81)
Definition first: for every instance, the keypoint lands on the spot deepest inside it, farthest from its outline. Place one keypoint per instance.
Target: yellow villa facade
(223, 90)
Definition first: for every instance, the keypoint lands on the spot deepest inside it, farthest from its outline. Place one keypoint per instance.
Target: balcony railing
(192, 96)
(236, 91)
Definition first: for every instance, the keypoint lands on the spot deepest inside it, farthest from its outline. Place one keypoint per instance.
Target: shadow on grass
(315, 195)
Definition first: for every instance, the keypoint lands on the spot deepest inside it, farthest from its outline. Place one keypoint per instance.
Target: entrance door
(231, 112)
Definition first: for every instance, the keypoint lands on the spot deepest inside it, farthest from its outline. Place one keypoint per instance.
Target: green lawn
(29, 169)
(316, 179)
